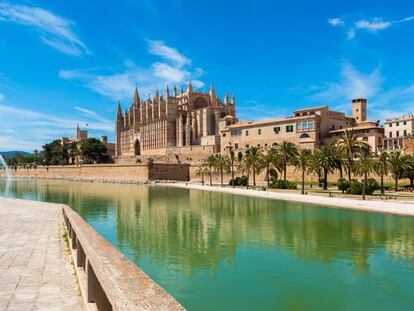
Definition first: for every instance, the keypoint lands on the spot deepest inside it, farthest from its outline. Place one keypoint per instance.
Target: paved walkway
(35, 268)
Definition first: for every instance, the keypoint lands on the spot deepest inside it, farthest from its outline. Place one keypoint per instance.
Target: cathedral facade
(181, 123)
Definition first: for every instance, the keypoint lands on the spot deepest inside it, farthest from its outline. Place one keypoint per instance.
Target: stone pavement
(35, 268)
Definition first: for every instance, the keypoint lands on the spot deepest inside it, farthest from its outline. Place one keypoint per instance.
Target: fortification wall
(106, 172)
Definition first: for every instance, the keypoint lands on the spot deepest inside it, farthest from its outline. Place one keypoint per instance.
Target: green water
(216, 251)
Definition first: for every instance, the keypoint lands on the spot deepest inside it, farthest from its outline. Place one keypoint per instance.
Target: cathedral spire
(233, 99)
(189, 87)
(167, 92)
(175, 91)
(118, 111)
(136, 96)
(226, 99)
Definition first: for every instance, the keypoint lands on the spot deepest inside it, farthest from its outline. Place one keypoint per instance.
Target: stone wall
(106, 172)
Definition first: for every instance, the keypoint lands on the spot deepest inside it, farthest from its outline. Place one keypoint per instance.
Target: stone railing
(107, 279)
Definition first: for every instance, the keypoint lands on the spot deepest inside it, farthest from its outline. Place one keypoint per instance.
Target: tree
(363, 167)
(92, 149)
(288, 152)
(210, 162)
(73, 151)
(202, 171)
(325, 157)
(232, 159)
(271, 160)
(245, 165)
(409, 171)
(349, 144)
(221, 164)
(382, 167)
(303, 163)
(54, 153)
(398, 162)
(256, 159)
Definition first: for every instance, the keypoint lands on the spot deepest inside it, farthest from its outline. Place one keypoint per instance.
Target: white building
(397, 131)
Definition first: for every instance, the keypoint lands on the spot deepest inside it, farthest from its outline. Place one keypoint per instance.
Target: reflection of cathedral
(182, 123)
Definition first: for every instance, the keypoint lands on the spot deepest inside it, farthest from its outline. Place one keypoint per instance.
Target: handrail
(109, 279)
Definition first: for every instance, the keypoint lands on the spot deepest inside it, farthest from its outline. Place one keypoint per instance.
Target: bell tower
(359, 109)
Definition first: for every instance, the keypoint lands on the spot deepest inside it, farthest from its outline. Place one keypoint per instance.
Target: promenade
(35, 268)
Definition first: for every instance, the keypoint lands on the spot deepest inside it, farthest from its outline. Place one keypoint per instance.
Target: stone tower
(359, 109)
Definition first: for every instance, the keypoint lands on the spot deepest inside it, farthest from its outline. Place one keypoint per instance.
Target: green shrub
(355, 187)
(282, 184)
(239, 181)
(372, 185)
(343, 184)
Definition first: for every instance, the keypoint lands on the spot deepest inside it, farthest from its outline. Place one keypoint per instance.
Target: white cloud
(353, 83)
(54, 30)
(173, 69)
(372, 25)
(335, 21)
(24, 129)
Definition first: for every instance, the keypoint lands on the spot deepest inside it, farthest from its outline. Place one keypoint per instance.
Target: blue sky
(68, 62)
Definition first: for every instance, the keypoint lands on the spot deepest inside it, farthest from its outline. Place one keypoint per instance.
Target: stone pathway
(35, 268)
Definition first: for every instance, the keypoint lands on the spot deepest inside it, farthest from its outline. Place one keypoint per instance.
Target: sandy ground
(379, 206)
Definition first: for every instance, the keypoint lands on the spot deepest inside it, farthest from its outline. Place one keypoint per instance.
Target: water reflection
(195, 230)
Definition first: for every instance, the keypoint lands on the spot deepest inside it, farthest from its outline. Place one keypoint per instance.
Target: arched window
(137, 148)
(304, 135)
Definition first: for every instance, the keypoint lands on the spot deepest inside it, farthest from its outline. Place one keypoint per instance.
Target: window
(235, 133)
(276, 130)
(397, 134)
(304, 135)
(224, 134)
(236, 145)
(289, 128)
(390, 124)
(259, 131)
(265, 145)
(398, 124)
(258, 145)
(340, 127)
(247, 146)
(405, 122)
(357, 110)
(365, 138)
(405, 132)
(333, 126)
(390, 134)
(247, 133)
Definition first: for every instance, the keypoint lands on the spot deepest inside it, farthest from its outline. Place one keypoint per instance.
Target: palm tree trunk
(247, 182)
(303, 180)
(232, 174)
(254, 178)
(325, 177)
(364, 185)
(382, 183)
(396, 182)
(340, 172)
(268, 176)
(349, 168)
(284, 171)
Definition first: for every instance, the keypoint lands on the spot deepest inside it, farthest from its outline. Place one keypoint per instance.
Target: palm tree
(210, 162)
(288, 152)
(256, 159)
(271, 160)
(202, 171)
(382, 167)
(221, 164)
(232, 159)
(398, 162)
(303, 163)
(325, 158)
(349, 144)
(245, 165)
(365, 165)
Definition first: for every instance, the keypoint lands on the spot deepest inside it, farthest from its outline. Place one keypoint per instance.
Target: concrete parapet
(109, 280)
